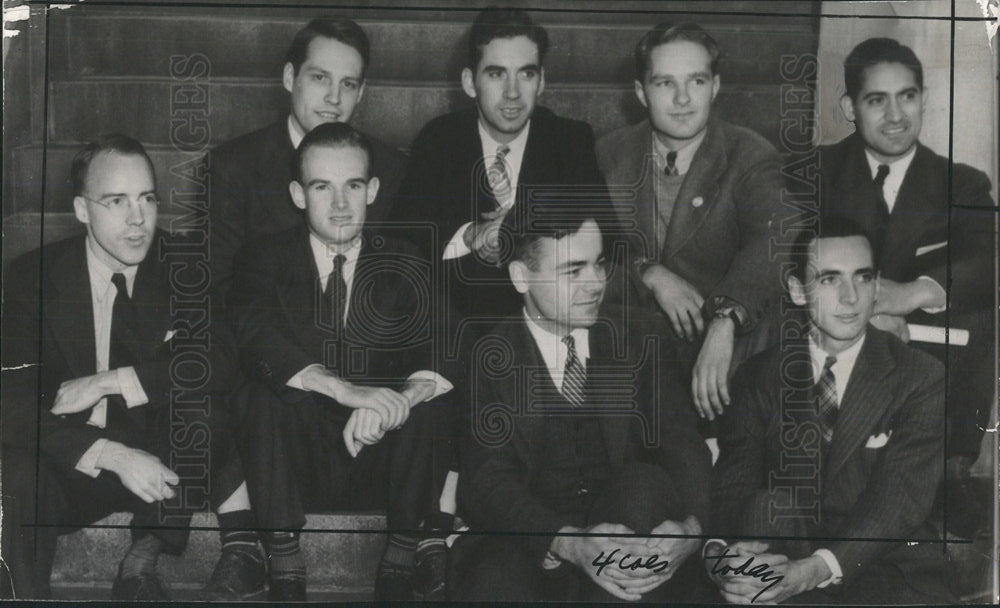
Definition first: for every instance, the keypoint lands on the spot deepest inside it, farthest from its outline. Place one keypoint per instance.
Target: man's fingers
(170, 477)
(722, 383)
(699, 323)
(616, 590)
(675, 323)
(700, 393)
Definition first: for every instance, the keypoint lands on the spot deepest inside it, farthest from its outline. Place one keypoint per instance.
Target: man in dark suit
(248, 176)
(930, 220)
(468, 169)
(703, 199)
(108, 391)
(831, 450)
(569, 433)
(332, 326)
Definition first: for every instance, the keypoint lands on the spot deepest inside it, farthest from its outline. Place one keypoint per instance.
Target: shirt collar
(517, 145)
(897, 168)
(324, 255)
(845, 358)
(101, 273)
(552, 347)
(294, 132)
(684, 156)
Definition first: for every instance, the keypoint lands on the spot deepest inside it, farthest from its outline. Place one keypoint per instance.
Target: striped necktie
(499, 178)
(574, 376)
(826, 400)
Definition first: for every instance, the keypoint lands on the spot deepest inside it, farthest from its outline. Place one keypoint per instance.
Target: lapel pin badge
(697, 202)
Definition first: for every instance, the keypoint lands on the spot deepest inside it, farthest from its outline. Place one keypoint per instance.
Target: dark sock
(236, 532)
(439, 525)
(286, 559)
(141, 557)
(399, 553)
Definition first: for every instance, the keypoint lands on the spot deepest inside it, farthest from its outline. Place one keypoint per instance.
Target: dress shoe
(286, 590)
(431, 571)
(238, 575)
(143, 587)
(393, 585)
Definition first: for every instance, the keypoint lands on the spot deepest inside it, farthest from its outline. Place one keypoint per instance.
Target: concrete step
(394, 112)
(341, 552)
(254, 47)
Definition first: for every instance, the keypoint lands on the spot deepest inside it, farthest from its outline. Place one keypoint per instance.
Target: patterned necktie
(498, 177)
(671, 167)
(826, 400)
(574, 376)
(120, 353)
(335, 294)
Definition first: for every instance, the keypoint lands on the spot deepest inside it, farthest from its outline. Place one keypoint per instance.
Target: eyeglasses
(120, 204)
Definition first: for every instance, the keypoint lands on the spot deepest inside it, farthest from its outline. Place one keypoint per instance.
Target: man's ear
(716, 84)
(878, 285)
(298, 194)
(373, 185)
(468, 83)
(288, 76)
(847, 107)
(797, 290)
(80, 210)
(541, 81)
(640, 93)
(518, 271)
(361, 92)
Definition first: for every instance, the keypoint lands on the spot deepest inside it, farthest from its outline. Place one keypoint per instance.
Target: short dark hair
(494, 22)
(331, 135)
(828, 227)
(873, 52)
(339, 29)
(526, 225)
(108, 142)
(663, 33)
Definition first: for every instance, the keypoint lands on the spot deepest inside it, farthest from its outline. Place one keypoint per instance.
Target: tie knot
(570, 344)
(502, 152)
(118, 280)
(338, 263)
(829, 363)
(671, 167)
(881, 174)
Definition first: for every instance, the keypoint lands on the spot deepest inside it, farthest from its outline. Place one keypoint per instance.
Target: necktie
(574, 376)
(826, 400)
(498, 177)
(335, 294)
(883, 205)
(120, 351)
(671, 167)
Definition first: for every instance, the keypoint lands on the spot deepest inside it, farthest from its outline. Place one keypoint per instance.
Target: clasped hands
(632, 565)
(761, 577)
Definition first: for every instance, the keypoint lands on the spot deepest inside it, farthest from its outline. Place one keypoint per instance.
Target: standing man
(470, 168)
(706, 198)
(930, 222)
(325, 75)
(834, 439)
(98, 413)
(571, 432)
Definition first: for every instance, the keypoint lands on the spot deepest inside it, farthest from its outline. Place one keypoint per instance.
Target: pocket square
(170, 334)
(929, 248)
(877, 441)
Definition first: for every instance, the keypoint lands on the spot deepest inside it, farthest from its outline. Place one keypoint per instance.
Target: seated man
(835, 435)
(554, 447)
(332, 326)
(108, 394)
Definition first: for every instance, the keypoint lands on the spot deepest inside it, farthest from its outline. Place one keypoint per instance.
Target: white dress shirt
(684, 155)
(554, 350)
(456, 247)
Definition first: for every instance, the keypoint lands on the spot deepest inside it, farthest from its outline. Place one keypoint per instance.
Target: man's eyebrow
(828, 273)
(865, 270)
(317, 181)
(571, 265)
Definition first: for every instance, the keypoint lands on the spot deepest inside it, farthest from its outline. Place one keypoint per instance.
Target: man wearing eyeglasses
(94, 383)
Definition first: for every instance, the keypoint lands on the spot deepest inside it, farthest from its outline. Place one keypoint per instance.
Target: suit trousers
(296, 462)
(500, 568)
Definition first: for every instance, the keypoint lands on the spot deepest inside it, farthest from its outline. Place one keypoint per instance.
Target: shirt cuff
(296, 380)
(944, 294)
(131, 388)
(713, 542)
(456, 247)
(831, 562)
(441, 384)
(88, 462)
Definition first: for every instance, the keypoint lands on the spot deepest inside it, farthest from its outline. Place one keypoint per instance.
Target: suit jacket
(48, 338)
(445, 187)
(920, 219)
(276, 298)
(727, 210)
(864, 492)
(514, 397)
(248, 181)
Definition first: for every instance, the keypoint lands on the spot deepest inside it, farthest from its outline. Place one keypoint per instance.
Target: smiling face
(889, 110)
(678, 90)
(329, 84)
(506, 85)
(839, 291)
(118, 205)
(566, 289)
(335, 192)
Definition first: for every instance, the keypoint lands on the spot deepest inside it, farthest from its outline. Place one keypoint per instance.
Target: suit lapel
(865, 400)
(909, 217)
(630, 183)
(69, 309)
(301, 295)
(614, 427)
(701, 182)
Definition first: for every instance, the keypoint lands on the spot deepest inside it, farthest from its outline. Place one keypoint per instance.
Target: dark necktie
(335, 294)
(498, 176)
(826, 400)
(883, 205)
(120, 351)
(671, 166)
(574, 376)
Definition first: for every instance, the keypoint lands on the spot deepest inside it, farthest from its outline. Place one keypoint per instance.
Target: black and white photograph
(674, 302)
